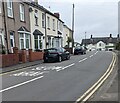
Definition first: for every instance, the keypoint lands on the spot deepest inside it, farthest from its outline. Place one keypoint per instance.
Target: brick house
(17, 25)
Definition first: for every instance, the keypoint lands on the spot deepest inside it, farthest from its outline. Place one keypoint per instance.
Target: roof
(106, 40)
(37, 32)
(33, 4)
(22, 28)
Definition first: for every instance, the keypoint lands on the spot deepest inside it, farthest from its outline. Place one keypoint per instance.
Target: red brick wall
(33, 56)
(8, 60)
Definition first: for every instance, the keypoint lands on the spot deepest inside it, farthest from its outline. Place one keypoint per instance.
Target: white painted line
(65, 67)
(82, 60)
(91, 56)
(21, 84)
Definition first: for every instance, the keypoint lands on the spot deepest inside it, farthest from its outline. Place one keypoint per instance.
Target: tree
(118, 46)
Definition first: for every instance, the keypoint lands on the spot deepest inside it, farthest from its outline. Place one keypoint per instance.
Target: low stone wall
(8, 60)
(33, 56)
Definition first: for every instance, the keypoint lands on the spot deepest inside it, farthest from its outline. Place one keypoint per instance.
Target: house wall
(100, 45)
(39, 27)
(50, 31)
(119, 17)
(13, 24)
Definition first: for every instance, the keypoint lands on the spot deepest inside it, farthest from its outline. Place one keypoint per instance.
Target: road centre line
(82, 60)
(15, 86)
(65, 67)
(91, 56)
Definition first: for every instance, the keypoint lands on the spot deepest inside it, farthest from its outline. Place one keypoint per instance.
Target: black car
(80, 50)
(55, 54)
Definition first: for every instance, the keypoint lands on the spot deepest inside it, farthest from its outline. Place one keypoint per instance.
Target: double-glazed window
(43, 20)
(22, 12)
(24, 41)
(10, 8)
(38, 42)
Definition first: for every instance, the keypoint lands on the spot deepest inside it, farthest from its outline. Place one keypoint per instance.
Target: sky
(95, 17)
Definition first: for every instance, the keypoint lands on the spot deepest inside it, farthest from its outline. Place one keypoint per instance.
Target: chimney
(110, 35)
(57, 15)
(36, 1)
(91, 36)
(118, 36)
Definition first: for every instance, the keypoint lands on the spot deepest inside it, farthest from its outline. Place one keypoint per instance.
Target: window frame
(0, 7)
(43, 20)
(48, 22)
(53, 24)
(39, 40)
(24, 40)
(10, 3)
(22, 12)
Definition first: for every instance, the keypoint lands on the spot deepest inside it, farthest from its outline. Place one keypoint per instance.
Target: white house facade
(101, 43)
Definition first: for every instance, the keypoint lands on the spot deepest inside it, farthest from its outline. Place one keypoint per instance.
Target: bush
(118, 46)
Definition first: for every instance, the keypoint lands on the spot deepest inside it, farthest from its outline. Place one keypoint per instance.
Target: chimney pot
(110, 35)
(57, 15)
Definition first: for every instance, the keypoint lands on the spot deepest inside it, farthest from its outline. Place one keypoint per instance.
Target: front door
(12, 43)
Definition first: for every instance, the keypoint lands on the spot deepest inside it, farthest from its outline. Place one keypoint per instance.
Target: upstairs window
(53, 24)
(43, 20)
(36, 17)
(22, 14)
(0, 6)
(48, 21)
(10, 8)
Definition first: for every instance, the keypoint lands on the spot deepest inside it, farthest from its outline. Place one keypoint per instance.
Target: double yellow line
(97, 85)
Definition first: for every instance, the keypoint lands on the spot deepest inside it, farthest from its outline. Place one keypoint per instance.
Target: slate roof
(106, 40)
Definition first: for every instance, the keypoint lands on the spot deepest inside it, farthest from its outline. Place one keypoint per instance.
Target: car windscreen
(51, 50)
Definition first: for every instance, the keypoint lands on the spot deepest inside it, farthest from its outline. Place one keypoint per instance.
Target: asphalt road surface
(64, 81)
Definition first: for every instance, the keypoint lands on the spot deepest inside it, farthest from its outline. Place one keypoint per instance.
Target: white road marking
(31, 73)
(96, 53)
(82, 60)
(91, 56)
(15, 86)
(65, 67)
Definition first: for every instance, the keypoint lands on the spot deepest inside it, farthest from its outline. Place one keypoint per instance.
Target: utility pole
(73, 27)
(85, 38)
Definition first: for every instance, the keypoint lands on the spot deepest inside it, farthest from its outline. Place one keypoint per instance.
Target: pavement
(20, 66)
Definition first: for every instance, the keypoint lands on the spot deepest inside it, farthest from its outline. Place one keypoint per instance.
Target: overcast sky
(96, 17)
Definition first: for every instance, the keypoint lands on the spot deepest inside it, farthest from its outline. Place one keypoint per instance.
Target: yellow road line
(85, 97)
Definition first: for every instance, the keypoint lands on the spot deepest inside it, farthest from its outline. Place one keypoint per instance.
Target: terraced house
(26, 29)
(16, 25)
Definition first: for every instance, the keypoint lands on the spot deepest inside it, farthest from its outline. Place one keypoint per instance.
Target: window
(0, 6)
(22, 14)
(43, 20)
(24, 41)
(48, 21)
(38, 42)
(1, 39)
(53, 24)
(49, 42)
(9, 8)
(36, 17)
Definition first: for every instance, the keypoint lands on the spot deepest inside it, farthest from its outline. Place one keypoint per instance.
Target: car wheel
(59, 58)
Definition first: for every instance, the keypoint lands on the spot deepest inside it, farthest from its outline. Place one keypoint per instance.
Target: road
(64, 81)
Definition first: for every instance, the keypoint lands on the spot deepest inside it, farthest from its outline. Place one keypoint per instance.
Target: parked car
(56, 55)
(80, 50)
